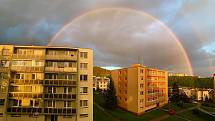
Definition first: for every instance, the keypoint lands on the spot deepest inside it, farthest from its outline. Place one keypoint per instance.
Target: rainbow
(65, 27)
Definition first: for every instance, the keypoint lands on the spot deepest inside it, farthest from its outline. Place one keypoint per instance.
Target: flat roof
(43, 47)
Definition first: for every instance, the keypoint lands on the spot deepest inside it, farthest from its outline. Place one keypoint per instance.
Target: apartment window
(141, 77)
(5, 63)
(83, 90)
(51, 103)
(5, 51)
(67, 104)
(125, 99)
(83, 65)
(19, 76)
(83, 77)
(141, 70)
(67, 90)
(141, 93)
(51, 89)
(34, 103)
(141, 85)
(83, 103)
(34, 76)
(17, 102)
(141, 100)
(83, 54)
(2, 101)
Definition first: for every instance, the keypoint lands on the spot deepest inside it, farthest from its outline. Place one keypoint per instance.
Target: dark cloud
(37, 21)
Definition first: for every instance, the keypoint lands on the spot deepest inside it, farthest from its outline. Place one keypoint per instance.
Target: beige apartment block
(100, 83)
(44, 83)
(139, 88)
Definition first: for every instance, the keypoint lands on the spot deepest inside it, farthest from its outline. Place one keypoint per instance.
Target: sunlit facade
(46, 83)
(139, 88)
(100, 83)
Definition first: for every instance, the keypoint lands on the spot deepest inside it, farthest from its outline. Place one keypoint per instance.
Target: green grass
(197, 117)
(209, 109)
(100, 115)
(122, 115)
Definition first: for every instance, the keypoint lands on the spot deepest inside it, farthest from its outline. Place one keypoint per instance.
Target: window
(2, 101)
(67, 104)
(17, 102)
(5, 51)
(141, 70)
(67, 90)
(83, 89)
(83, 65)
(19, 76)
(51, 89)
(34, 103)
(83, 54)
(51, 103)
(5, 63)
(34, 76)
(83, 103)
(141, 85)
(83, 77)
(141, 93)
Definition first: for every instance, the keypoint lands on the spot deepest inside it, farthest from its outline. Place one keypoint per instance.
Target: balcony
(60, 96)
(57, 69)
(4, 69)
(25, 82)
(59, 83)
(25, 95)
(27, 69)
(60, 111)
(2, 57)
(61, 57)
(24, 110)
(23, 56)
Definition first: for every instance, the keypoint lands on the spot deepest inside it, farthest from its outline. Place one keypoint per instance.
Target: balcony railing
(4, 69)
(56, 69)
(40, 110)
(60, 83)
(5, 57)
(60, 111)
(27, 69)
(23, 56)
(60, 96)
(24, 110)
(61, 57)
(25, 82)
(25, 95)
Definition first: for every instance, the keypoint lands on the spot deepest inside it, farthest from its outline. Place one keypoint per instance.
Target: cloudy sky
(121, 36)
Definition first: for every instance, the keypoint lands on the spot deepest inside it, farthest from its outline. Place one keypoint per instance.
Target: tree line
(190, 81)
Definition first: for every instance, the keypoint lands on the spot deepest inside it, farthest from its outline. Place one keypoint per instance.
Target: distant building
(100, 83)
(139, 88)
(46, 83)
(176, 74)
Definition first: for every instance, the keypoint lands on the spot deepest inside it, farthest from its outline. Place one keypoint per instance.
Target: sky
(119, 37)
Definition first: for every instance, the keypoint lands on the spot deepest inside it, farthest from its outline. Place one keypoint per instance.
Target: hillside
(98, 71)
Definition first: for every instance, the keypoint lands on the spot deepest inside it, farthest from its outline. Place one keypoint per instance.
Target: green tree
(110, 96)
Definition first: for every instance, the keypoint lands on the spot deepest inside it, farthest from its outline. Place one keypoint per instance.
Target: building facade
(139, 88)
(46, 83)
(100, 83)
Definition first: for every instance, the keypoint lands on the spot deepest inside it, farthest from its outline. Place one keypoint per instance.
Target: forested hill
(100, 72)
(189, 81)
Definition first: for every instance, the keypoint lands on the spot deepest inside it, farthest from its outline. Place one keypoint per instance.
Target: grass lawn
(197, 117)
(102, 114)
(209, 109)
